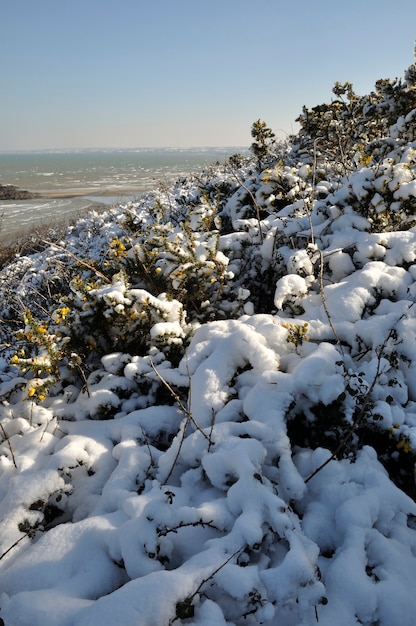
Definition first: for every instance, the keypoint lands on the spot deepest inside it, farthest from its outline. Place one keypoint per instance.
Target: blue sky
(153, 73)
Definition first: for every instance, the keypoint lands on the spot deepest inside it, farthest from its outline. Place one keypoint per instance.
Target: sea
(69, 183)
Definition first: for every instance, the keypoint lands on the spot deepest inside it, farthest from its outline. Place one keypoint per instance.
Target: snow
(212, 419)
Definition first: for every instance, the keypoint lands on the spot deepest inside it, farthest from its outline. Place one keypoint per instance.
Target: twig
(6, 438)
(179, 401)
(146, 441)
(211, 429)
(312, 195)
(80, 261)
(205, 580)
(183, 608)
(14, 545)
(162, 532)
(53, 419)
(321, 256)
(178, 451)
(324, 303)
(189, 418)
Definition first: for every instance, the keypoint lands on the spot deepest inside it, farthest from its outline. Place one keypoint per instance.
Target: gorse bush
(354, 128)
(264, 141)
(232, 359)
(241, 239)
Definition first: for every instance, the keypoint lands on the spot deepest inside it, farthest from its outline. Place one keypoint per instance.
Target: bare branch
(6, 438)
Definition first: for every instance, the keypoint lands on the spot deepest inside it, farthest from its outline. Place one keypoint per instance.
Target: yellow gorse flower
(61, 314)
(404, 445)
(297, 333)
(118, 248)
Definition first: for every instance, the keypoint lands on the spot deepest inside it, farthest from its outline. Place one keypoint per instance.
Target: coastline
(68, 185)
(55, 210)
(29, 239)
(12, 193)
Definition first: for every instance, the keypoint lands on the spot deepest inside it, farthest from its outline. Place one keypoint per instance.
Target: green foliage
(264, 139)
(41, 356)
(349, 129)
(297, 333)
(151, 284)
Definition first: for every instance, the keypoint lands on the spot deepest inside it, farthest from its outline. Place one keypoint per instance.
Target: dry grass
(27, 243)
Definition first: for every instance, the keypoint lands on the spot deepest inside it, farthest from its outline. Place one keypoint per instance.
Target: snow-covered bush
(208, 409)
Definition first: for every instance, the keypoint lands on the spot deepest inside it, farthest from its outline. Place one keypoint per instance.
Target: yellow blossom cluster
(61, 314)
(403, 442)
(36, 389)
(118, 249)
(297, 333)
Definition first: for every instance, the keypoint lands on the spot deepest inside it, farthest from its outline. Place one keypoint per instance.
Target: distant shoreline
(56, 195)
(95, 200)
(15, 193)
(64, 185)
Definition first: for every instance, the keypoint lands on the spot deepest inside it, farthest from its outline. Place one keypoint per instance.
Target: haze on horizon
(185, 73)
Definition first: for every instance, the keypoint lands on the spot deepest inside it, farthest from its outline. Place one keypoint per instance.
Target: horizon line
(121, 149)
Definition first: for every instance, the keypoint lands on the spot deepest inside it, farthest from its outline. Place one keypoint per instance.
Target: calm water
(89, 177)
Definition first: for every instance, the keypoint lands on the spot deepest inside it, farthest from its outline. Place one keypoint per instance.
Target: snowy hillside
(208, 409)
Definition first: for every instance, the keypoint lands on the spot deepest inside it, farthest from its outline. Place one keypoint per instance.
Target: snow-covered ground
(208, 407)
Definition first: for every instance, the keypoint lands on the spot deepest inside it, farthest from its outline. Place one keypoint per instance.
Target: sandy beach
(106, 193)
